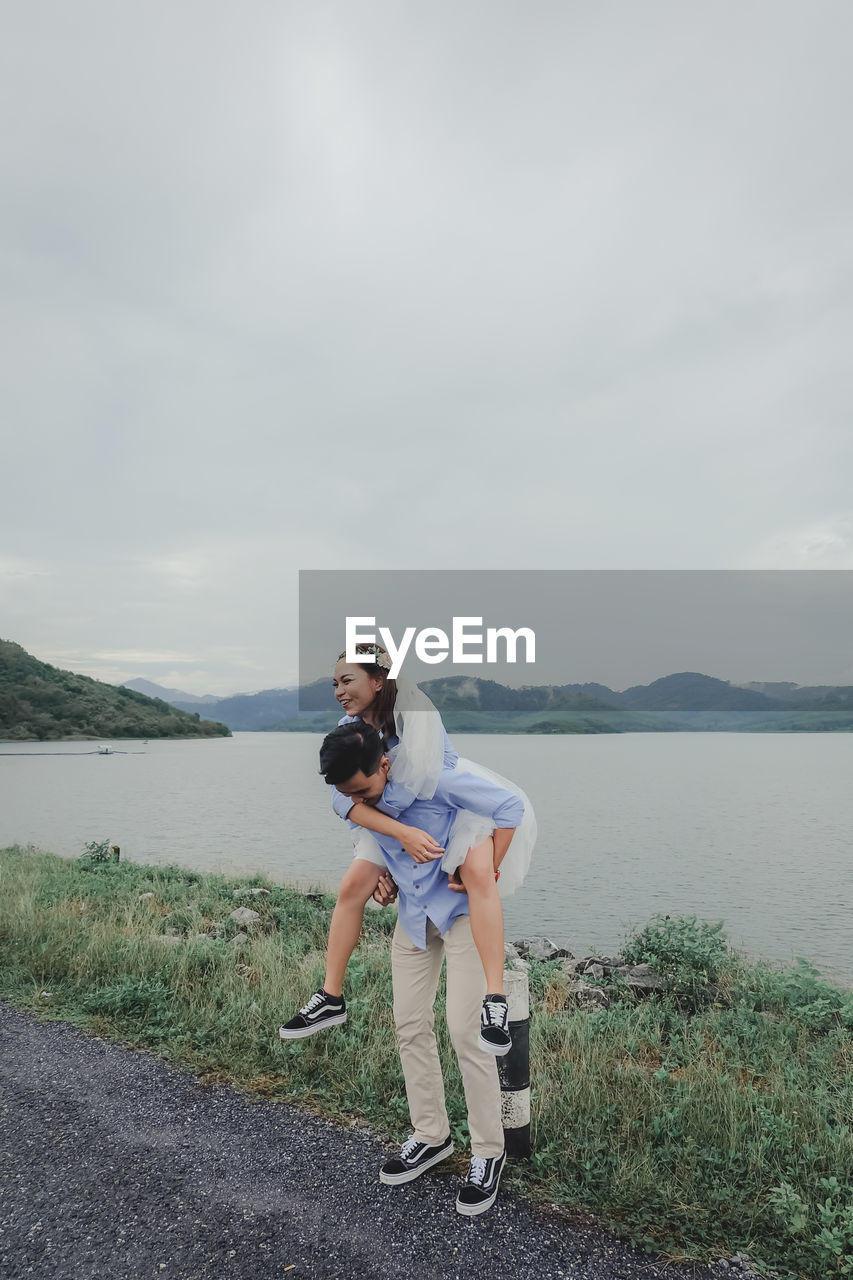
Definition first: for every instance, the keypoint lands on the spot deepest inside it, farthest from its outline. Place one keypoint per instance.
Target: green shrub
(688, 953)
(821, 1229)
(818, 1005)
(97, 851)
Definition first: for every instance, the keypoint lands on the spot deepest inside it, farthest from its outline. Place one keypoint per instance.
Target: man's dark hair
(348, 749)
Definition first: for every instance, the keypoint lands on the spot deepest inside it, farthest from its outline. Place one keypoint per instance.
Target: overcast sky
(355, 286)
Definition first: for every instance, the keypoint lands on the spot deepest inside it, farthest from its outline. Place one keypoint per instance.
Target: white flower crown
(383, 658)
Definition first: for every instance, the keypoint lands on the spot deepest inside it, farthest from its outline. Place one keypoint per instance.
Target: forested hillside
(40, 702)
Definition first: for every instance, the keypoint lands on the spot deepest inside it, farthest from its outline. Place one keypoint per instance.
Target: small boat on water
(105, 751)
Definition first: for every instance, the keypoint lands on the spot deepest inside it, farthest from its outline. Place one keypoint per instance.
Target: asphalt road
(116, 1164)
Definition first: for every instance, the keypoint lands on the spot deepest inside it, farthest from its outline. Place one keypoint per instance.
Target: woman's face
(354, 688)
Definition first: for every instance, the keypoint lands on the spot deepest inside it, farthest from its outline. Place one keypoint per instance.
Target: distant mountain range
(38, 701)
(686, 700)
(168, 695)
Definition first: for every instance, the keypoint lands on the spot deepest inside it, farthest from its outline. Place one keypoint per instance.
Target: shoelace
(315, 1001)
(496, 1012)
(478, 1171)
(408, 1147)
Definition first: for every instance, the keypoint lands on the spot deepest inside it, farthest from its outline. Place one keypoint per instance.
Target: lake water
(751, 829)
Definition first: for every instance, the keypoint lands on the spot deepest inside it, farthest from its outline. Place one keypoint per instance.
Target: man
(432, 926)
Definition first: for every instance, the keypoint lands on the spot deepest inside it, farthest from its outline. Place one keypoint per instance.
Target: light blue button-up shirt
(395, 797)
(423, 886)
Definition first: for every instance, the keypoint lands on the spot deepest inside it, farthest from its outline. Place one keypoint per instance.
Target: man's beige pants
(415, 977)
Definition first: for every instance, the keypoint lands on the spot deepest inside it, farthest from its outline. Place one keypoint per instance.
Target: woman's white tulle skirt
(470, 829)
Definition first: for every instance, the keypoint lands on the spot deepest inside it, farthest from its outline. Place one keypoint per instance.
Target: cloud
(17, 568)
(826, 544)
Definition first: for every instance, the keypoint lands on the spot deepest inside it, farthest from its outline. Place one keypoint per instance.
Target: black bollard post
(514, 1068)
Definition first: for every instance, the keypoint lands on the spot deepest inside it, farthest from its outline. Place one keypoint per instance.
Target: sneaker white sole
(471, 1210)
(396, 1179)
(302, 1032)
(498, 1050)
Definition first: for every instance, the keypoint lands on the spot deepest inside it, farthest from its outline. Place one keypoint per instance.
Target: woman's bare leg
(477, 873)
(356, 888)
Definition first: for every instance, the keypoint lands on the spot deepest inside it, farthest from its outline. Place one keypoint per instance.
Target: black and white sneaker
(322, 1010)
(494, 1033)
(480, 1189)
(414, 1159)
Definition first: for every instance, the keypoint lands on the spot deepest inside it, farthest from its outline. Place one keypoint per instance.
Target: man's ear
(385, 764)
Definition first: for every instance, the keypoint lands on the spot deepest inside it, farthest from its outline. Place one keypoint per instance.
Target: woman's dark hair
(348, 749)
(387, 695)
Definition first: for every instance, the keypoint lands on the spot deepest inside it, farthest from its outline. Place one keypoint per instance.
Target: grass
(713, 1119)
